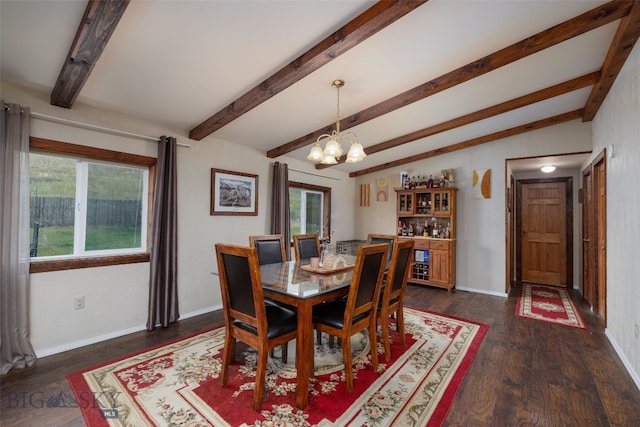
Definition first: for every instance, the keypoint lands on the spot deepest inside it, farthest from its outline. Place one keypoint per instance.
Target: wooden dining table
(289, 283)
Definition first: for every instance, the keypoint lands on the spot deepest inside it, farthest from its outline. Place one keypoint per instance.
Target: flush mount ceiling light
(548, 168)
(333, 148)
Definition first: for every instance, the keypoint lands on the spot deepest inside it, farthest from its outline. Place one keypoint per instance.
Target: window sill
(72, 264)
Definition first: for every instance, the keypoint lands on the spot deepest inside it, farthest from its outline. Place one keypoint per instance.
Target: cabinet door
(439, 266)
(405, 203)
(441, 201)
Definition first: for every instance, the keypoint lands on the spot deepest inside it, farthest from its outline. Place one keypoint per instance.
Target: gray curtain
(15, 346)
(163, 282)
(280, 203)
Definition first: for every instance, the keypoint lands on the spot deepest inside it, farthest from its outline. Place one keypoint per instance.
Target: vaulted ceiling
(422, 77)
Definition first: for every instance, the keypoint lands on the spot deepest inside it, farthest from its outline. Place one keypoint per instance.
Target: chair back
(391, 239)
(364, 292)
(306, 246)
(271, 248)
(398, 271)
(240, 285)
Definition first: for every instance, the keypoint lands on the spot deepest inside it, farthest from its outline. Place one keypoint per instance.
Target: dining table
(298, 285)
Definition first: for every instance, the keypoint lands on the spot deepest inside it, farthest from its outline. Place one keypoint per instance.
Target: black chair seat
(332, 313)
(279, 321)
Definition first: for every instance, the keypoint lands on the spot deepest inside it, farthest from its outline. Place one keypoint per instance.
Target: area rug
(550, 304)
(178, 384)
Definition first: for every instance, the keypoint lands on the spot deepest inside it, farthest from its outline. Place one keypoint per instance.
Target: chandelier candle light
(333, 149)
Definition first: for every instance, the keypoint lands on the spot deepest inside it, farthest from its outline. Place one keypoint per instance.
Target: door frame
(588, 240)
(599, 234)
(568, 181)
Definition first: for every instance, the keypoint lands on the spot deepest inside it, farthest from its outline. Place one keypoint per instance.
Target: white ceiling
(179, 62)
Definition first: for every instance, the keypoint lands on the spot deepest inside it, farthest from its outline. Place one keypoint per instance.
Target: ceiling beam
(621, 46)
(96, 27)
(504, 107)
(576, 26)
(539, 124)
(374, 19)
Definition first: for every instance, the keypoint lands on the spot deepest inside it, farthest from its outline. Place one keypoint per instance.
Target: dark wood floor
(526, 373)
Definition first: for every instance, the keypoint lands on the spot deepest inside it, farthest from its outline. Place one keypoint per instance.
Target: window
(309, 208)
(87, 202)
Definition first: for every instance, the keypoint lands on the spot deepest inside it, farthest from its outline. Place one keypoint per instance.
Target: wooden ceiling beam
(576, 26)
(539, 124)
(485, 113)
(96, 27)
(623, 42)
(374, 19)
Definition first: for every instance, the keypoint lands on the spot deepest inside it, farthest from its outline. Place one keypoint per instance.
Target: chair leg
(228, 355)
(318, 337)
(346, 356)
(385, 337)
(285, 351)
(373, 343)
(400, 326)
(261, 372)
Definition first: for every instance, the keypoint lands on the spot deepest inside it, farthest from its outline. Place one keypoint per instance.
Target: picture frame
(233, 193)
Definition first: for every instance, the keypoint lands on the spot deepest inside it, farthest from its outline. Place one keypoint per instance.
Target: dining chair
(392, 299)
(271, 248)
(306, 246)
(246, 316)
(391, 239)
(343, 318)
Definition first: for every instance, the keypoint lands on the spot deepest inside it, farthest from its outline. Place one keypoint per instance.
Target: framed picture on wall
(233, 193)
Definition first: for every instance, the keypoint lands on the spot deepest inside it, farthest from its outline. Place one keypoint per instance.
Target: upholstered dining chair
(392, 299)
(246, 316)
(306, 246)
(391, 239)
(343, 318)
(271, 248)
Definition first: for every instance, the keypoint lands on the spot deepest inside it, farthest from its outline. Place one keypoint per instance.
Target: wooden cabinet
(428, 216)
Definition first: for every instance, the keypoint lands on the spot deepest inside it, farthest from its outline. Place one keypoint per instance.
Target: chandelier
(333, 149)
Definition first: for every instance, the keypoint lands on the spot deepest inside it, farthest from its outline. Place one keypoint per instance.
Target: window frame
(326, 204)
(48, 146)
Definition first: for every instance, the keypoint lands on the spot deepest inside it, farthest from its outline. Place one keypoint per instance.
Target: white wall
(618, 124)
(116, 297)
(480, 246)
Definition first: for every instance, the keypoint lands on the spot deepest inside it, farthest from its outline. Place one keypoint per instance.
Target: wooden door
(543, 232)
(600, 205)
(588, 243)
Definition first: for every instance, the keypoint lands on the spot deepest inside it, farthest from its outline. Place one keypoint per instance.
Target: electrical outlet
(78, 302)
(637, 330)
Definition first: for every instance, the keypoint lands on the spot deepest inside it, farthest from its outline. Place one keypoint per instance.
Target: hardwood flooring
(526, 373)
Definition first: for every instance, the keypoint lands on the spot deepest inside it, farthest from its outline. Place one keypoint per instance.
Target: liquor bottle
(425, 230)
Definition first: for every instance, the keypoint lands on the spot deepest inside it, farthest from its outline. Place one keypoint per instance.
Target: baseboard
(115, 334)
(482, 291)
(623, 358)
(88, 341)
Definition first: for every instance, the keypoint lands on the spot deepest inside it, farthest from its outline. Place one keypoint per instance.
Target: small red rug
(550, 304)
(178, 384)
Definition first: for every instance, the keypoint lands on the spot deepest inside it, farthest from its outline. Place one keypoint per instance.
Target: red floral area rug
(550, 304)
(178, 384)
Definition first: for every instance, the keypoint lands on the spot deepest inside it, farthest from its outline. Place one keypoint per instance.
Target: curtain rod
(100, 128)
(309, 173)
